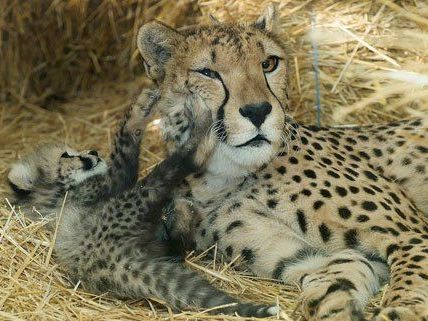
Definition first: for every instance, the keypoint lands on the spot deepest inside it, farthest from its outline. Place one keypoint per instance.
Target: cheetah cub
(109, 229)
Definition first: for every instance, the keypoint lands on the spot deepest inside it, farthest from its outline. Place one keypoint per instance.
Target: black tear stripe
(268, 86)
(221, 130)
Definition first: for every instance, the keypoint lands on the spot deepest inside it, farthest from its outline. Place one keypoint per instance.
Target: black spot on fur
(362, 218)
(234, 225)
(325, 232)
(391, 249)
(310, 173)
(369, 206)
(317, 205)
(282, 170)
(341, 191)
(271, 203)
(351, 238)
(325, 193)
(248, 255)
(301, 219)
(344, 212)
(333, 174)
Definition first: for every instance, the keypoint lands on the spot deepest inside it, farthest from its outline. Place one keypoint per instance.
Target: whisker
(297, 129)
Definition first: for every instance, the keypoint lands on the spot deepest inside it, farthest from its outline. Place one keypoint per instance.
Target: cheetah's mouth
(256, 141)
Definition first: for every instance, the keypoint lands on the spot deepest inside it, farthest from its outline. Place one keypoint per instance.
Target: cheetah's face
(237, 72)
(53, 165)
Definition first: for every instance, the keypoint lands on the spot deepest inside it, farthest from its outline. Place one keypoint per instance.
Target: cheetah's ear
(268, 21)
(21, 178)
(156, 43)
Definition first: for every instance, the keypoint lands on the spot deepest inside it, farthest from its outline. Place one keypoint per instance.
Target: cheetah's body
(336, 210)
(345, 178)
(341, 199)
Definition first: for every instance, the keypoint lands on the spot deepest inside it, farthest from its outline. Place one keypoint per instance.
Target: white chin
(230, 162)
(251, 156)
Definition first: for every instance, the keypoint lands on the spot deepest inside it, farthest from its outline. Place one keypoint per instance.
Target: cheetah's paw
(330, 306)
(402, 314)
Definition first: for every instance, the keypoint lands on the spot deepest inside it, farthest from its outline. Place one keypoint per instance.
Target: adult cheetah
(337, 210)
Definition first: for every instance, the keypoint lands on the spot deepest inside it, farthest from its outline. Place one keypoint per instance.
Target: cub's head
(50, 169)
(238, 72)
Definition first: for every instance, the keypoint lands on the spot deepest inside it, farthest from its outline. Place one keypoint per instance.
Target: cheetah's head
(51, 168)
(237, 71)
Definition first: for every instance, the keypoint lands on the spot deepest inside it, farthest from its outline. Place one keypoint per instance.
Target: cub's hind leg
(406, 299)
(134, 271)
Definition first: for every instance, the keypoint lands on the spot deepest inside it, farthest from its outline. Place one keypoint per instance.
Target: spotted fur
(110, 230)
(339, 211)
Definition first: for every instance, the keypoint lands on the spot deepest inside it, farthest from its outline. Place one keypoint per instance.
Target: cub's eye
(93, 153)
(65, 155)
(209, 73)
(270, 64)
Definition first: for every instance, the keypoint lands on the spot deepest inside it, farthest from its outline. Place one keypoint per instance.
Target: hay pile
(373, 56)
(52, 50)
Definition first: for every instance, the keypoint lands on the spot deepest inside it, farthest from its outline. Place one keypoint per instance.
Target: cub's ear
(22, 178)
(156, 43)
(268, 21)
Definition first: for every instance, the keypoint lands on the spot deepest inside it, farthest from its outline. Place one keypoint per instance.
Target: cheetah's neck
(222, 175)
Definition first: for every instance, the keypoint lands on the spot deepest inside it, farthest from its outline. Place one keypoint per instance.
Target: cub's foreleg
(122, 171)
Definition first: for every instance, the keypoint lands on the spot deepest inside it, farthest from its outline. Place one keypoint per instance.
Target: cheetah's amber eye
(270, 64)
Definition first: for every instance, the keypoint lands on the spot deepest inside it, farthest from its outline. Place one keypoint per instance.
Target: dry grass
(51, 50)
(365, 47)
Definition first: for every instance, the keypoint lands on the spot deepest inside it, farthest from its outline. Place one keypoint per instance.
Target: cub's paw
(190, 133)
(258, 311)
(182, 223)
(146, 100)
(141, 111)
(176, 128)
(402, 314)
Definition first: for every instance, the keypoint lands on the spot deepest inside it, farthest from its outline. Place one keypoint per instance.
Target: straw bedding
(373, 67)
(93, 40)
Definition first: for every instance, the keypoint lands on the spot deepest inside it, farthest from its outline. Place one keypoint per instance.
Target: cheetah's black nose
(256, 113)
